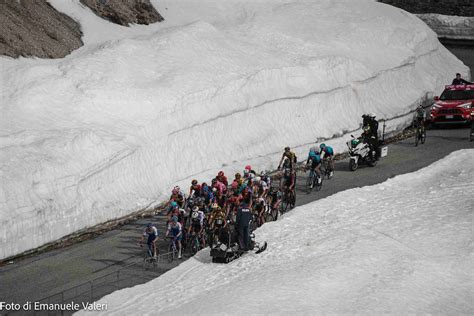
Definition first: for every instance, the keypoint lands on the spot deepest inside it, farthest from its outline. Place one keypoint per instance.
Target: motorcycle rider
(370, 127)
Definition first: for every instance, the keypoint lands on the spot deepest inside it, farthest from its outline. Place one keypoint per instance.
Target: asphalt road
(48, 273)
(113, 260)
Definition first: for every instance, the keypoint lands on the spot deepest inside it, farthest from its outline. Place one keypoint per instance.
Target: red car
(455, 105)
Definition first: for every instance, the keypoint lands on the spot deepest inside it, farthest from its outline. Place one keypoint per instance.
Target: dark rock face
(125, 12)
(35, 28)
(447, 7)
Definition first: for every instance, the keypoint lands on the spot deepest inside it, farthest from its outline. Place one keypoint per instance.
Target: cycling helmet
(221, 173)
(174, 219)
(238, 175)
(194, 215)
(371, 115)
(248, 167)
(287, 148)
(194, 182)
(149, 225)
(322, 145)
(174, 204)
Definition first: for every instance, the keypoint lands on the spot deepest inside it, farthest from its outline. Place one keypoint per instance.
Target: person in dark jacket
(242, 223)
(459, 80)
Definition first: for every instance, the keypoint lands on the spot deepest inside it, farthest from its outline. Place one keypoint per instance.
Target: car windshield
(457, 95)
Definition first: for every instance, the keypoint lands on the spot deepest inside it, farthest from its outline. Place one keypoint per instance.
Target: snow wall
(109, 129)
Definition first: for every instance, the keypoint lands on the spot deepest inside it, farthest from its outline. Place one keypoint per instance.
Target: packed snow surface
(450, 26)
(402, 247)
(110, 128)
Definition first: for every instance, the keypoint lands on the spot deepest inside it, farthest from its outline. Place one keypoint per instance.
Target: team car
(455, 105)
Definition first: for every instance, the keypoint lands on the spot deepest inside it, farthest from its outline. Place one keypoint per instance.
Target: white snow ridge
(111, 127)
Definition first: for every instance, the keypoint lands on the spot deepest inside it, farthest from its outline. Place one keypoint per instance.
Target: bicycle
(288, 200)
(312, 181)
(149, 258)
(172, 249)
(420, 132)
(195, 242)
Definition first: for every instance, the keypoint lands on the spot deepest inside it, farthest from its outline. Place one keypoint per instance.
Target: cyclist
(173, 210)
(151, 232)
(221, 187)
(328, 153)
(288, 159)
(176, 231)
(289, 181)
(274, 198)
(222, 178)
(232, 205)
(238, 179)
(197, 224)
(178, 196)
(420, 115)
(315, 160)
(195, 189)
(260, 187)
(259, 209)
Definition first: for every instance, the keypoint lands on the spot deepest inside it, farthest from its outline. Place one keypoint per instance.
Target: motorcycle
(359, 152)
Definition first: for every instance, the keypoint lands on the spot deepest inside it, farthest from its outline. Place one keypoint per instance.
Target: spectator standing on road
(242, 222)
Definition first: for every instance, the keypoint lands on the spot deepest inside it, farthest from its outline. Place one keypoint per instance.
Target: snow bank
(401, 247)
(111, 127)
(450, 26)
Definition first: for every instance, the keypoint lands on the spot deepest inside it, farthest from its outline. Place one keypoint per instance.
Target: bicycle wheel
(292, 199)
(318, 184)
(309, 182)
(417, 136)
(195, 246)
(171, 252)
(269, 215)
(284, 205)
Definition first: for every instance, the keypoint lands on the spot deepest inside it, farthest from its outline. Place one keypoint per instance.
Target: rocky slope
(35, 28)
(125, 12)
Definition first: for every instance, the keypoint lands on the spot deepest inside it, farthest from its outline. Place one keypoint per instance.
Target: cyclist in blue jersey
(328, 153)
(315, 159)
(175, 230)
(151, 232)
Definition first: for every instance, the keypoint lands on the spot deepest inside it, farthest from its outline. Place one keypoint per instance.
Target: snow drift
(410, 251)
(108, 129)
